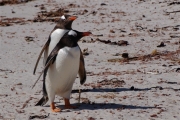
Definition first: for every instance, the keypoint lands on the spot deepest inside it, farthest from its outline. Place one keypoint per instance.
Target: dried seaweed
(113, 82)
(5, 2)
(173, 3)
(51, 16)
(39, 116)
(43, 16)
(119, 43)
(166, 55)
(26, 102)
(11, 21)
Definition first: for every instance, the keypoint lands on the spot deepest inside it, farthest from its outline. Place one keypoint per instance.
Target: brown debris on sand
(5, 2)
(51, 16)
(119, 43)
(154, 55)
(43, 16)
(161, 44)
(10, 21)
(114, 82)
(38, 116)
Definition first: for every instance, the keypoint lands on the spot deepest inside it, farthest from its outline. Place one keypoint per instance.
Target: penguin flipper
(48, 62)
(44, 48)
(82, 70)
(42, 101)
(45, 98)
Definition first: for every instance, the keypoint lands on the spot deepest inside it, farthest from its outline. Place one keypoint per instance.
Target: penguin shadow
(98, 106)
(95, 106)
(110, 90)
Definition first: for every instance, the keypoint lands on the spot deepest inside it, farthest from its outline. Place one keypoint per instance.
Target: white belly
(62, 73)
(55, 38)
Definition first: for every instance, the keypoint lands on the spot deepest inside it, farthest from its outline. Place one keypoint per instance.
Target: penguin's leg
(53, 108)
(68, 105)
(66, 96)
(52, 105)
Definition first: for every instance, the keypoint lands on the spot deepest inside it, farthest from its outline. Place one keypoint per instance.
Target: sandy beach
(132, 60)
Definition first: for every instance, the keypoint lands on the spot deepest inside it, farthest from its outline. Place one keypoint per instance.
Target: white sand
(108, 102)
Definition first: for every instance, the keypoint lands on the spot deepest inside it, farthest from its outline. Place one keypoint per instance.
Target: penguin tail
(42, 101)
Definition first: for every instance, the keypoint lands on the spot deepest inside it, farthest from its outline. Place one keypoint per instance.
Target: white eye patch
(63, 17)
(73, 33)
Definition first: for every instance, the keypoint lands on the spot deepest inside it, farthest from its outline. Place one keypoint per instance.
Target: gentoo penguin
(63, 25)
(61, 69)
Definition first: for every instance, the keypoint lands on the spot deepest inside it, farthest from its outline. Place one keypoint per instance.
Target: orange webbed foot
(54, 109)
(68, 105)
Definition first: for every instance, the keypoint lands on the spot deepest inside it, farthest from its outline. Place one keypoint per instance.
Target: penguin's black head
(78, 35)
(72, 37)
(65, 22)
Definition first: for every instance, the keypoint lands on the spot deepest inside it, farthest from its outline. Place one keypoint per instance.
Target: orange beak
(86, 33)
(72, 18)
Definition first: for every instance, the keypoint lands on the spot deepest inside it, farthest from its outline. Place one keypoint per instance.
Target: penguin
(62, 26)
(61, 69)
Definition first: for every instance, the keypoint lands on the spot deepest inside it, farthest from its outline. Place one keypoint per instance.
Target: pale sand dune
(144, 24)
